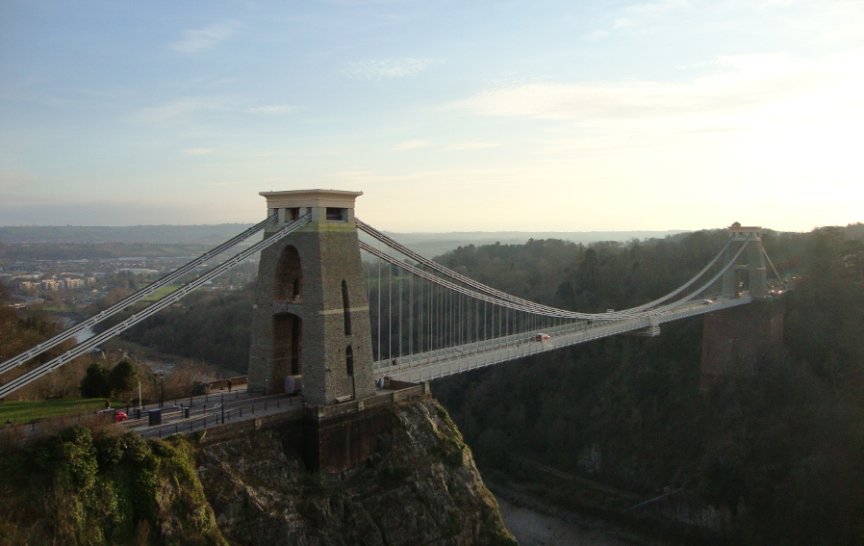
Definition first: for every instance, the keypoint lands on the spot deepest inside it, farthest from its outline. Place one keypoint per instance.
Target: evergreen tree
(123, 377)
(96, 382)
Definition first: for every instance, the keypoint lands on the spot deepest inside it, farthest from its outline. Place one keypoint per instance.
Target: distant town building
(50, 284)
(71, 284)
(137, 270)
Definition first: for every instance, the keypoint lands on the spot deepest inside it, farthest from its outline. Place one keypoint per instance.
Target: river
(84, 335)
(533, 528)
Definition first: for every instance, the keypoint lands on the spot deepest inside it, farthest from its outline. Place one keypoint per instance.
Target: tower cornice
(315, 198)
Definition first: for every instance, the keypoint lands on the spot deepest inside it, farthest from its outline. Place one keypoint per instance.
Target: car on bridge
(541, 337)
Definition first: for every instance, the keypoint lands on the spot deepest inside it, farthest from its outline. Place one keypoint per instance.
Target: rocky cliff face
(420, 486)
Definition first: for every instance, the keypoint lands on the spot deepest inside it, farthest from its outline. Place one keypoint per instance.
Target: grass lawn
(161, 292)
(24, 412)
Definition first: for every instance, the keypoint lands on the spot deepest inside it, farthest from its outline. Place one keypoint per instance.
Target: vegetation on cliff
(86, 487)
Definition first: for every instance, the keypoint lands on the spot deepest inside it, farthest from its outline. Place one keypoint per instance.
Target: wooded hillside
(782, 451)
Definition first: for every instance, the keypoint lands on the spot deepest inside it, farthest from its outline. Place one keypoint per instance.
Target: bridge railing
(441, 363)
(381, 398)
(219, 414)
(448, 353)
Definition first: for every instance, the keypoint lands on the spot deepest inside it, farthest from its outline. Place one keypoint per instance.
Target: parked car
(119, 416)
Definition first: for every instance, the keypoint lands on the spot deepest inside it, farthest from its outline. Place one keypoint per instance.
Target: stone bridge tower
(736, 341)
(753, 275)
(311, 315)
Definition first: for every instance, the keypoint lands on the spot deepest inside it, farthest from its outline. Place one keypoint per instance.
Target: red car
(120, 416)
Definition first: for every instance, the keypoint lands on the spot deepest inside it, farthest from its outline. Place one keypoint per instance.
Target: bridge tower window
(337, 214)
(346, 308)
(349, 361)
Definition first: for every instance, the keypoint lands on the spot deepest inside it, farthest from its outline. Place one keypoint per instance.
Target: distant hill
(435, 244)
(428, 244)
(164, 234)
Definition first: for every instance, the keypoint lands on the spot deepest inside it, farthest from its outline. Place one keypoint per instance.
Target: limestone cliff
(420, 486)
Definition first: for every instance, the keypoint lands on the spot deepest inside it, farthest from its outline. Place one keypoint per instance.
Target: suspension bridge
(340, 306)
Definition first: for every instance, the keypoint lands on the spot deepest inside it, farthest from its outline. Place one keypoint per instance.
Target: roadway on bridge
(443, 362)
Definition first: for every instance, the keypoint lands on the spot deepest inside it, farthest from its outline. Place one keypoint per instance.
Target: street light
(161, 389)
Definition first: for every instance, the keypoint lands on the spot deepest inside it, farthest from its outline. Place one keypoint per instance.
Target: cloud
(472, 146)
(180, 108)
(637, 15)
(459, 146)
(13, 179)
(434, 178)
(656, 7)
(197, 151)
(197, 40)
(734, 88)
(383, 69)
(186, 107)
(257, 182)
(273, 109)
(598, 34)
(410, 145)
(59, 211)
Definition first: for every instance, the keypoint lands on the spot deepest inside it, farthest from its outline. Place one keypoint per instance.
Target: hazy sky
(449, 115)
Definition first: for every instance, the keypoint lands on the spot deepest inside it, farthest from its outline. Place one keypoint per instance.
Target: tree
(95, 383)
(123, 377)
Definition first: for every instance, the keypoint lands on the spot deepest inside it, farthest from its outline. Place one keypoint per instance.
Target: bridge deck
(443, 362)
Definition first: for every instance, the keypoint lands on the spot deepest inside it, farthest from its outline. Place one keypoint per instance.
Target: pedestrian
(229, 385)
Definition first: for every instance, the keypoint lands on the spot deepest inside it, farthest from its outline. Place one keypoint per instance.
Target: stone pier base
(340, 437)
(736, 340)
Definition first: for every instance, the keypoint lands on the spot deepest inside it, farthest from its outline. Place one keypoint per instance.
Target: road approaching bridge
(195, 413)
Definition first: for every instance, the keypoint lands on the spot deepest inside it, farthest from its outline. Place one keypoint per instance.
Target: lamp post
(161, 389)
